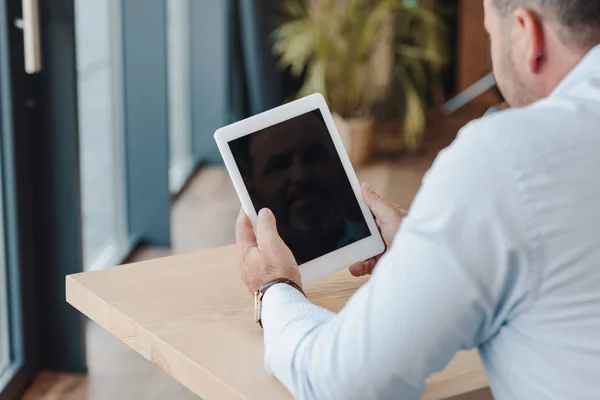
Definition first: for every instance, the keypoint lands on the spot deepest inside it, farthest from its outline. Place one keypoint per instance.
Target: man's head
(536, 43)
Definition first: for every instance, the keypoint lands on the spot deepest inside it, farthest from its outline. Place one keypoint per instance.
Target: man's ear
(532, 33)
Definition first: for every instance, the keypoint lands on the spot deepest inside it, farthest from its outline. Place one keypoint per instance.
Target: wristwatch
(260, 293)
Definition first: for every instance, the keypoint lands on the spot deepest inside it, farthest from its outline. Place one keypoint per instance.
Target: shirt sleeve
(457, 271)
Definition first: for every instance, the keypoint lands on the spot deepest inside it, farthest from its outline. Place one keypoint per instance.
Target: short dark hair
(580, 18)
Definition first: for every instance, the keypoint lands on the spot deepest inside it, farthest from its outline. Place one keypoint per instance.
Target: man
(293, 169)
(500, 250)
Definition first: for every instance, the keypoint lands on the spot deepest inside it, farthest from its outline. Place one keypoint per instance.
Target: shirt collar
(589, 66)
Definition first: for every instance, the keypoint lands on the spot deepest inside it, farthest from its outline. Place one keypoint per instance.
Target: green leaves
(295, 44)
(374, 21)
(358, 53)
(294, 9)
(316, 79)
(414, 110)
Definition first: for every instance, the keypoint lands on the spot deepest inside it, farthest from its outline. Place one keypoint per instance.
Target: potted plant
(353, 52)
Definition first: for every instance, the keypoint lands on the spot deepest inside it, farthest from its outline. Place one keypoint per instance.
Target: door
(40, 223)
(84, 164)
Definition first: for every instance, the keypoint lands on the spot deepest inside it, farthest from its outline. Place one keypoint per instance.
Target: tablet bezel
(338, 259)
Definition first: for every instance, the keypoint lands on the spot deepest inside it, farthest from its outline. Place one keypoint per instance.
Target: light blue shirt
(500, 251)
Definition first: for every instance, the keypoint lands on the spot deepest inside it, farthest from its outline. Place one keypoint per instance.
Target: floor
(203, 216)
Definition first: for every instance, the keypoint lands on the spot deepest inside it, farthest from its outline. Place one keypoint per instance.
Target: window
(5, 358)
(180, 135)
(99, 74)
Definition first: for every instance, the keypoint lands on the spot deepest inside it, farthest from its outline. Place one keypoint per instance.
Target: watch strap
(260, 293)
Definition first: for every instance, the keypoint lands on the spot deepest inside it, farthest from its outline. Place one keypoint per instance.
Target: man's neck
(566, 59)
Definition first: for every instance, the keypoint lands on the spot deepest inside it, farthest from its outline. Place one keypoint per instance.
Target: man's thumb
(266, 228)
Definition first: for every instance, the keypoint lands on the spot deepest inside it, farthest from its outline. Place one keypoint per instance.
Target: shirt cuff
(285, 309)
(278, 298)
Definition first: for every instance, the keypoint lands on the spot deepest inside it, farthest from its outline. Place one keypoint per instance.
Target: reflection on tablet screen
(293, 169)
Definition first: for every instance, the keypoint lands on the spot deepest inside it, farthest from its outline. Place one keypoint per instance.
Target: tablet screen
(294, 169)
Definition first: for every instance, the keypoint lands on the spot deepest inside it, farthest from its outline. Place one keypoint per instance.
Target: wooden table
(191, 316)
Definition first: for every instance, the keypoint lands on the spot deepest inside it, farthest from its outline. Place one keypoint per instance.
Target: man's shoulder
(524, 135)
(475, 165)
(494, 148)
(516, 123)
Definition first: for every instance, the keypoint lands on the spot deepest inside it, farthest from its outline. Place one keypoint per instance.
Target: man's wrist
(260, 293)
(262, 290)
(261, 281)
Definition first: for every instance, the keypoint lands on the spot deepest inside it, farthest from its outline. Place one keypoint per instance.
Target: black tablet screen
(293, 169)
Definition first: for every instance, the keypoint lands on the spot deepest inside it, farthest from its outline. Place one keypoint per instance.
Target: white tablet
(291, 160)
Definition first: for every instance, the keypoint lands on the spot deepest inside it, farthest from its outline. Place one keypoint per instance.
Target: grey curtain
(255, 81)
(234, 74)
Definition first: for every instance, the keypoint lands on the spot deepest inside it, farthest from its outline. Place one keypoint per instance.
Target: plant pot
(357, 135)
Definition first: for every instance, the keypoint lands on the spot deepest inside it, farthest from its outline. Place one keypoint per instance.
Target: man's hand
(388, 218)
(263, 257)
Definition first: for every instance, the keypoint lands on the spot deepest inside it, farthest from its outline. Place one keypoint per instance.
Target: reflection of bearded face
(295, 173)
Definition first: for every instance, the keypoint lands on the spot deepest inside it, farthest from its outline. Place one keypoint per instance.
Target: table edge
(99, 311)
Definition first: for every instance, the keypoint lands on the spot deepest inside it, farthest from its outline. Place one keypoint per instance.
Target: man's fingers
(244, 235)
(363, 268)
(266, 229)
(400, 210)
(357, 270)
(380, 208)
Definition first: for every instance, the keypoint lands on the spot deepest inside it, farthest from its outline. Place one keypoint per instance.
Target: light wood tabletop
(191, 316)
